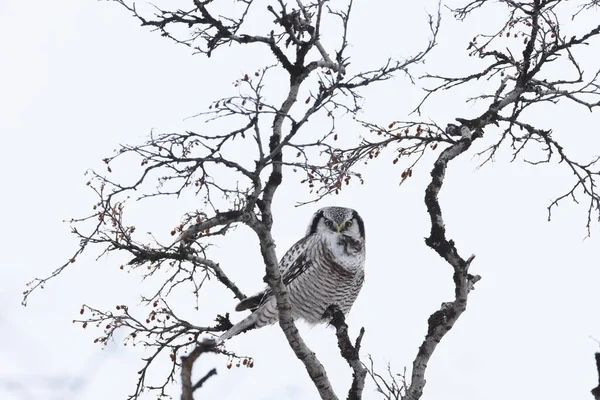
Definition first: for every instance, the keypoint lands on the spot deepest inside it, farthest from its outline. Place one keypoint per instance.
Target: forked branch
(187, 364)
(350, 352)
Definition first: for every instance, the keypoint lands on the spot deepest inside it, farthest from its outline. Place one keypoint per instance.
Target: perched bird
(324, 268)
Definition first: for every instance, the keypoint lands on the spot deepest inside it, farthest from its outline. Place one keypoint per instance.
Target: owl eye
(328, 222)
(348, 224)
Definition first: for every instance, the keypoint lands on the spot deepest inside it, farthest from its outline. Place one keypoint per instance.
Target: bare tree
(525, 81)
(240, 190)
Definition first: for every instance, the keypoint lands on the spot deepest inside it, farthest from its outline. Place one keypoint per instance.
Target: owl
(324, 268)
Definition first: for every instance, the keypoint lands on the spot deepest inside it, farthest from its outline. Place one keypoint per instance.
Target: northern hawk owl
(324, 268)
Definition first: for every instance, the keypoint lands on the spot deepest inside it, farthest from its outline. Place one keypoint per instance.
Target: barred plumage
(324, 268)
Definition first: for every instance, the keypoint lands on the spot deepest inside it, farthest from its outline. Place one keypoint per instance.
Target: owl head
(345, 221)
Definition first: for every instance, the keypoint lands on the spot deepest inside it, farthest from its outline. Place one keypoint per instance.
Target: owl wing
(292, 265)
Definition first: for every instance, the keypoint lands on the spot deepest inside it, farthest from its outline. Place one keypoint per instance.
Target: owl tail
(242, 326)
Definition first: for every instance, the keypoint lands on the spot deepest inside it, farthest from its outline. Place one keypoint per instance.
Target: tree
(519, 78)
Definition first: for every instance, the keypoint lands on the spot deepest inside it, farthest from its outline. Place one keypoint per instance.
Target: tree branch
(441, 321)
(350, 352)
(187, 363)
(596, 390)
(262, 228)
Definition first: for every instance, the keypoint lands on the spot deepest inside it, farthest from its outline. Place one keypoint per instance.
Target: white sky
(79, 77)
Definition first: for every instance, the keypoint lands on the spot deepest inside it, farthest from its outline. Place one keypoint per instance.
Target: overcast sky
(78, 77)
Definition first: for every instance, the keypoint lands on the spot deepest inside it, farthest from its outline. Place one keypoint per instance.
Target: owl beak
(339, 228)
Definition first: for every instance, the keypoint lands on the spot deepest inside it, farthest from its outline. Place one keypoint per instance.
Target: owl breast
(334, 276)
